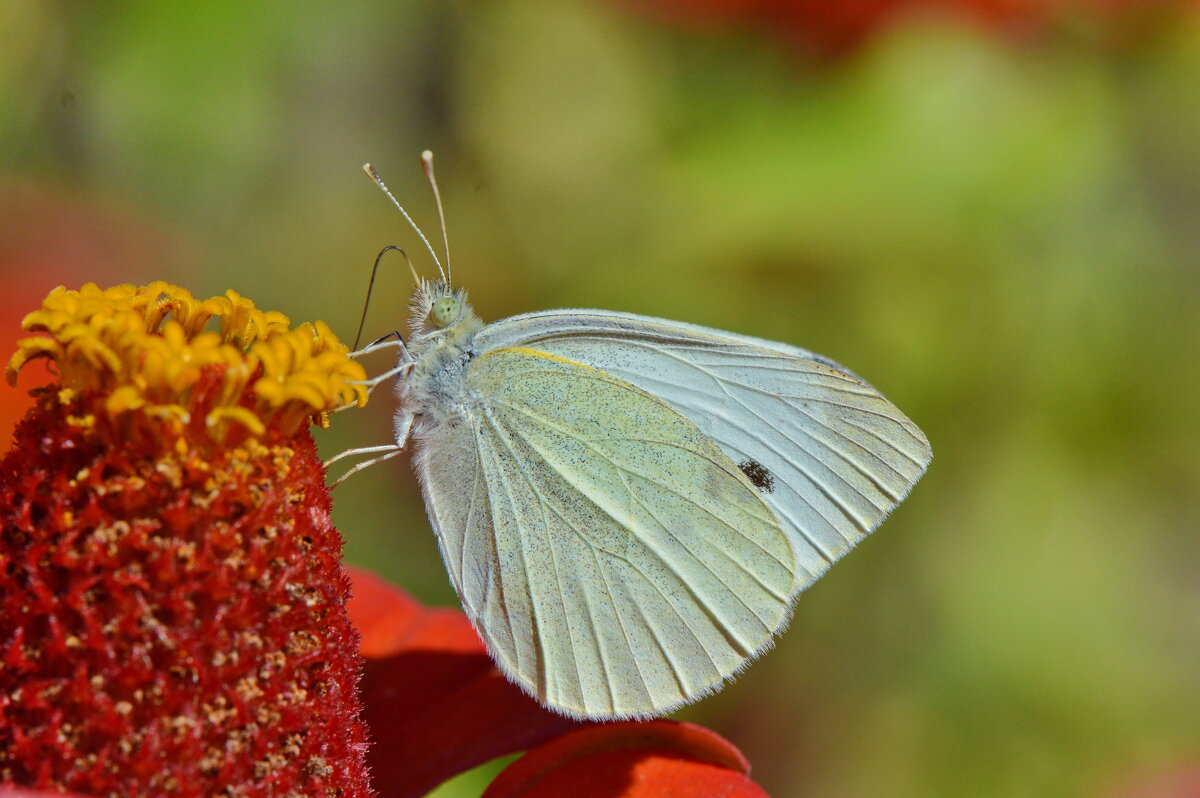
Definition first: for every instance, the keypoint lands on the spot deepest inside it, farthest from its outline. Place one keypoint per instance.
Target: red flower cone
(173, 612)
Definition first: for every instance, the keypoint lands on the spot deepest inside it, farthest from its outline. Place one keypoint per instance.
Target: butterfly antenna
(377, 180)
(371, 287)
(427, 165)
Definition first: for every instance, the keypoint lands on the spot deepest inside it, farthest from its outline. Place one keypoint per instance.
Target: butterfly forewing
(616, 561)
(831, 456)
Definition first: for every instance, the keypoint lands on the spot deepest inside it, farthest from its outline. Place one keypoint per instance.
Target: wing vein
(624, 635)
(638, 569)
(551, 425)
(462, 558)
(713, 616)
(829, 492)
(535, 622)
(816, 483)
(724, 383)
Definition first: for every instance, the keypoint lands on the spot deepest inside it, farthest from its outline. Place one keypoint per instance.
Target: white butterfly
(628, 506)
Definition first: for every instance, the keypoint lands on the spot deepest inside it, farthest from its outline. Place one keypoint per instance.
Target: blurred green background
(1002, 233)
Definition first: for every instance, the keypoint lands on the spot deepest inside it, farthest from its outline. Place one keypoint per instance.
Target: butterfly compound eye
(444, 311)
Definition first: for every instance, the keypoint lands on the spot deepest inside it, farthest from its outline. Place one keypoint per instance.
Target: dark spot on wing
(758, 475)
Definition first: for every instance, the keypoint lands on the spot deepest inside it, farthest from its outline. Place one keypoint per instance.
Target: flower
(174, 615)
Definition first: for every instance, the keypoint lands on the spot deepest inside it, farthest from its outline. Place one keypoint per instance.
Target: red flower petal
(661, 758)
(435, 703)
(391, 621)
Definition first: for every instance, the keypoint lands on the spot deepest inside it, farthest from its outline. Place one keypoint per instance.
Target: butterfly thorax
(441, 346)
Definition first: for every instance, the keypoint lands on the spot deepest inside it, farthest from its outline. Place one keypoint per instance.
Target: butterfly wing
(616, 562)
(831, 455)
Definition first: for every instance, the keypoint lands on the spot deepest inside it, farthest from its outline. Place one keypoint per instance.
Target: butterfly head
(439, 308)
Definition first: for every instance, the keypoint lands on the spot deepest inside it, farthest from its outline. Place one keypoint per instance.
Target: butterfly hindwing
(615, 560)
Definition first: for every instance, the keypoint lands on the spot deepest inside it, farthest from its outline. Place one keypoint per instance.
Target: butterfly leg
(360, 451)
(382, 343)
(390, 452)
(404, 423)
(375, 382)
(404, 366)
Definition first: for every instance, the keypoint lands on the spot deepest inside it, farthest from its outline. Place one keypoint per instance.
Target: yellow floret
(146, 349)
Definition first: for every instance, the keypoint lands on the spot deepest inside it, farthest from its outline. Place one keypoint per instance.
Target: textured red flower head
(172, 609)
